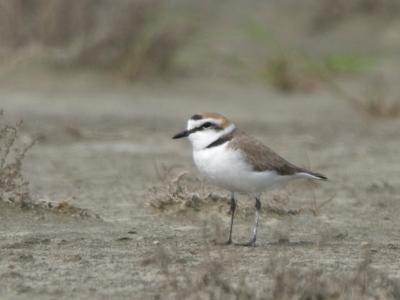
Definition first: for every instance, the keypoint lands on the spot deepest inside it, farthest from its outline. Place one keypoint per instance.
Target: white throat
(201, 139)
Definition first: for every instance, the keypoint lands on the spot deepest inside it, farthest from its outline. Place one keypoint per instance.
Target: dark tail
(319, 175)
(314, 174)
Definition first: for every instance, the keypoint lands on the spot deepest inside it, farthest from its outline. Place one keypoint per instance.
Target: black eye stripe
(206, 126)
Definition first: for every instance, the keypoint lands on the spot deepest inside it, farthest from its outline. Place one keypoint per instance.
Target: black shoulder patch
(196, 117)
(222, 140)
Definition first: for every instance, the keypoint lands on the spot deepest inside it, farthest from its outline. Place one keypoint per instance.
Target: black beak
(182, 134)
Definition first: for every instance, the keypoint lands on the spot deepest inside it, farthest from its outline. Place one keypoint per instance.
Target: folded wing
(262, 158)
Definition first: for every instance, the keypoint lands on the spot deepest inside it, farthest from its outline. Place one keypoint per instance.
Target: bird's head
(205, 128)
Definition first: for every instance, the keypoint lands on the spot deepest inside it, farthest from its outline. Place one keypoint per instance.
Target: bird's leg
(252, 242)
(232, 211)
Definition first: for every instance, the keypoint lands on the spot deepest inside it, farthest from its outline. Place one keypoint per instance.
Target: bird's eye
(207, 125)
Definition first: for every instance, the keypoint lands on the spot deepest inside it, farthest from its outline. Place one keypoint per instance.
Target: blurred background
(102, 86)
(288, 45)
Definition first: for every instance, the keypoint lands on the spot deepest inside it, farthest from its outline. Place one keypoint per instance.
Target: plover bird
(238, 162)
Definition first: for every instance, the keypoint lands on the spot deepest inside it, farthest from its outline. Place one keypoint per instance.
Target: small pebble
(124, 238)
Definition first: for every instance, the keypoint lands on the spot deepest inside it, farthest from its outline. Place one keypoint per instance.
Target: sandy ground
(100, 143)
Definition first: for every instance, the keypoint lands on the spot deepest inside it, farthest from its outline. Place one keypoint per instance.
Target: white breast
(227, 168)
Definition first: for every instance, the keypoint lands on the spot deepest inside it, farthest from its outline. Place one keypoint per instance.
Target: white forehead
(196, 123)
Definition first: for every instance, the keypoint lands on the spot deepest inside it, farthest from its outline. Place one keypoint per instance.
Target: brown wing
(261, 157)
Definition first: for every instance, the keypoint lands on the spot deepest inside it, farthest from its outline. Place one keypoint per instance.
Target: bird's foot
(228, 242)
(251, 243)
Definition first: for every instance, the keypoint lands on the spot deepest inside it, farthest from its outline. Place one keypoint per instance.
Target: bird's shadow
(267, 244)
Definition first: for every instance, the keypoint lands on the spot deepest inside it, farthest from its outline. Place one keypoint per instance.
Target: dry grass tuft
(330, 13)
(179, 192)
(375, 103)
(207, 282)
(14, 187)
(290, 73)
(63, 208)
(364, 282)
(212, 279)
(291, 69)
(280, 202)
(132, 38)
(381, 108)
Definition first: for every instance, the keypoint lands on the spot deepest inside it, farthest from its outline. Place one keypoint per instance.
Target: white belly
(227, 168)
